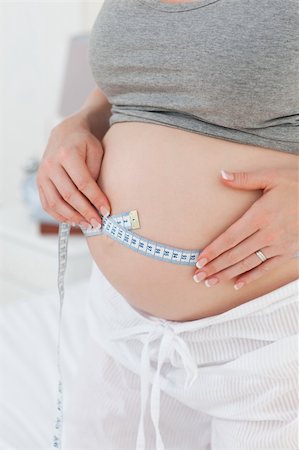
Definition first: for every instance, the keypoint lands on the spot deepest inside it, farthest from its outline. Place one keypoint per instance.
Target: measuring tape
(117, 228)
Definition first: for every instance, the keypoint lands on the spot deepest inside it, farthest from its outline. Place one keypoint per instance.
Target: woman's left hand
(271, 225)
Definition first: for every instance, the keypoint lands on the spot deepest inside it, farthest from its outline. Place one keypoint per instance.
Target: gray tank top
(223, 68)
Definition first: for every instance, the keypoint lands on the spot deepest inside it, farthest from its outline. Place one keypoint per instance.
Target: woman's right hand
(67, 172)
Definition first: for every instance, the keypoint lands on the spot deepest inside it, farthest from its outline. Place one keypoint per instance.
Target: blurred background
(44, 76)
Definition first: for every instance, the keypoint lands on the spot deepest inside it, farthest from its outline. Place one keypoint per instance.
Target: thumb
(94, 157)
(257, 179)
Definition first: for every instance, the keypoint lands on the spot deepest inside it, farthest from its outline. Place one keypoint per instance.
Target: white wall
(89, 12)
(33, 44)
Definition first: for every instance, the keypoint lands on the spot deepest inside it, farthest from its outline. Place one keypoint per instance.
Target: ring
(261, 255)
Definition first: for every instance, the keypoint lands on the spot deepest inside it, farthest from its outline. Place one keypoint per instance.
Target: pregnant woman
(194, 124)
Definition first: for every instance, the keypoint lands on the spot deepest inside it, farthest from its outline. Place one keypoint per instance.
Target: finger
(70, 193)
(239, 253)
(42, 198)
(56, 204)
(248, 263)
(232, 236)
(82, 178)
(45, 207)
(260, 270)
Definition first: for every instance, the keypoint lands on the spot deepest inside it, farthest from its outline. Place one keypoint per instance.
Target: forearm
(94, 113)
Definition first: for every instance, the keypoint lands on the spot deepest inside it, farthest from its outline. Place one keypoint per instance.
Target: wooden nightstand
(29, 260)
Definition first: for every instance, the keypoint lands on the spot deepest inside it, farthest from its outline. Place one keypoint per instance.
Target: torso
(172, 177)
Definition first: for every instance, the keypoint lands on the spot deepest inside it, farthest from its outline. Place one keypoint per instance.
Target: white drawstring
(170, 343)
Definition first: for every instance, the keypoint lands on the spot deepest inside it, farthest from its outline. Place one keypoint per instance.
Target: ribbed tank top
(223, 68)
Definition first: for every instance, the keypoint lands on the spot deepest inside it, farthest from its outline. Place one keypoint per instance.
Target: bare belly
(171, 177)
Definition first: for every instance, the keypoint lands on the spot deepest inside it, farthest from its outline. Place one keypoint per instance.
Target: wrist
(87, 117)
(76, 120)
(95, 119)
(93, 116)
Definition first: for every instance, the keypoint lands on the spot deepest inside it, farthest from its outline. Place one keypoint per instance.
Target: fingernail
(85, 225)
(239, 285)
(227, 175)
(201, 262)
(105, 212)
(95, 223)
(199, 277)
(211, 282)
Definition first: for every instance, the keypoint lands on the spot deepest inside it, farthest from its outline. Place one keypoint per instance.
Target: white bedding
(28, 370)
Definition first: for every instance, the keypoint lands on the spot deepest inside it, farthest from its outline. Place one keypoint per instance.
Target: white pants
(229, 381)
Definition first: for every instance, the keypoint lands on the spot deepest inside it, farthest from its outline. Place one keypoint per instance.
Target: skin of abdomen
(172, 178)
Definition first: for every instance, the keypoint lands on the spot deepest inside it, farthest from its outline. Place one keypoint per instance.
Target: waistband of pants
(105, 298)
(117, 325)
